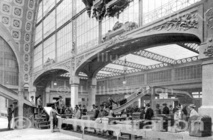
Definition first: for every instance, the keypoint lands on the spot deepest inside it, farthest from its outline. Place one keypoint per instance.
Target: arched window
(8, 65)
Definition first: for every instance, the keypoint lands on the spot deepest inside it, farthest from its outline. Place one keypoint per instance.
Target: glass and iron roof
(151, 58)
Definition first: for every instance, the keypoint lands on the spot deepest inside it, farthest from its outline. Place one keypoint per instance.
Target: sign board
(163, 95)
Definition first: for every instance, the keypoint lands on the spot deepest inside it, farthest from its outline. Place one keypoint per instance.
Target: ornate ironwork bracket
(103, 8)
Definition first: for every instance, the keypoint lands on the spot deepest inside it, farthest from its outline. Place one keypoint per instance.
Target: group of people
(79, 111)
(178, 112)
(59, 109)
(103, 111)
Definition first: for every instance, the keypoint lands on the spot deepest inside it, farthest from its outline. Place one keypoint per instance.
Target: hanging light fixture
(125, 70)
(55, 84)
(54, 80)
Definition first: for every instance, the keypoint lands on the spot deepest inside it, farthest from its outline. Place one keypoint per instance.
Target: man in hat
(9, 115)
(149, 112)
(60, 103)
(32, 99)
(53, 117)
(192, 110)
(95, 111)
(39, 104)
(15, 114)
(93, 108)
(102, 112)
(165, 109)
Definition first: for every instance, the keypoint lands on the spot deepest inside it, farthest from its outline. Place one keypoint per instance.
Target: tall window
(38, 36)
(37, 57)
(87, 32)
(155, 9)
(80, 5)
(64, 12)
(49, 49)
(64, 43)
(130, 14)
(8, 65)
(48, 5)
(39, 17)
(49, 24)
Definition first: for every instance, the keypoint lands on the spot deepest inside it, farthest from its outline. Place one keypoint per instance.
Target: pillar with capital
(92, 83)
(207, 89)
(74, 82)
(206, 55)
(47, 96)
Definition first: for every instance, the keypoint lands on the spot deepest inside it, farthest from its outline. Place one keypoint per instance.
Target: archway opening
(50, 85)
(163, 60)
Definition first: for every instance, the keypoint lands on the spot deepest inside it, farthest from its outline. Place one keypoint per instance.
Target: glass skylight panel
(139, 60)
(173, 51)
(114, 66)
(104, 72)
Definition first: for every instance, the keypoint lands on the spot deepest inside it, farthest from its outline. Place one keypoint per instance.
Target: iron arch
(92, 64)
(46, 75)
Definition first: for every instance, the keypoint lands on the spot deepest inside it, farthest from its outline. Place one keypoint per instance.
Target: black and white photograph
(106, 69)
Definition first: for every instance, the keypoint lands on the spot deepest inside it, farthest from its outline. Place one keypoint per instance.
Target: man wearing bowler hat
(165, 109)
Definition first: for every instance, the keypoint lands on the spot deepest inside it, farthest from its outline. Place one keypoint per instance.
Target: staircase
(42, 120)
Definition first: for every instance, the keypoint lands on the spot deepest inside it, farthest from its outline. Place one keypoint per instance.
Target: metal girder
(154, 56)
(187, 60)
(102, 75)
(65, 75)
(132, 71)
(129, 64)
(107, 69)
(190, 46)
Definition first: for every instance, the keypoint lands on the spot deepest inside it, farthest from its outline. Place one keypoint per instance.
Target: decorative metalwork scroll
(181, 23)
(103, 8)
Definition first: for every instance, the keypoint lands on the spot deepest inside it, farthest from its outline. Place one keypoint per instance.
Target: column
(207, 89)
(47, 97)
(20, 110)
(92, 92)
(173, 75)
(74, 95)
(145, 79)
(205, 53)
(152, 98)
(74, 82)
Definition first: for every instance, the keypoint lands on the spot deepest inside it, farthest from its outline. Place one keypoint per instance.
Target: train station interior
(121, 56)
